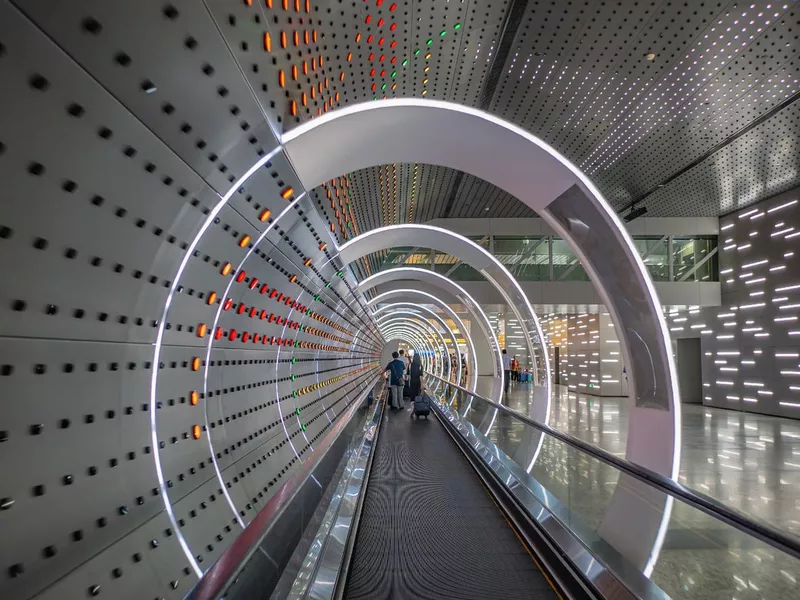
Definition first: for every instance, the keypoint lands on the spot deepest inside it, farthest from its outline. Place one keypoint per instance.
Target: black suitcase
(422, 407)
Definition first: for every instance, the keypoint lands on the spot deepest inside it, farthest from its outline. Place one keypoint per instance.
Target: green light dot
(457, 26)
(339, 273)
(327, 285)
(294, 393)
(416, 52)
(294, 376)
(394, 73)
(429, 42)
(443, 33)
(405, 62)
(294, 360)
(383, 87)
(304, 427)
(298, 411)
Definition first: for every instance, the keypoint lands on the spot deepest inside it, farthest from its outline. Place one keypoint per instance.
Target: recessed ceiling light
(650, 56)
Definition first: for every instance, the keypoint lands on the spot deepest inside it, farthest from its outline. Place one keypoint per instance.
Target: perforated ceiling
(659, 101)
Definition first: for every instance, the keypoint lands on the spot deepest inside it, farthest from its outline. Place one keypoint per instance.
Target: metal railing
(216, 581)
(745, 523)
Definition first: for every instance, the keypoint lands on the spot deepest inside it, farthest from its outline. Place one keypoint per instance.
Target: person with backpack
(396, 369)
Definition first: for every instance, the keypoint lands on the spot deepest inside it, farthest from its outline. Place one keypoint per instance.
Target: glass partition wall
(549, 258)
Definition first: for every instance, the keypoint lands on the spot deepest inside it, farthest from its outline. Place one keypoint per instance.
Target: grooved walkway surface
(429, 528)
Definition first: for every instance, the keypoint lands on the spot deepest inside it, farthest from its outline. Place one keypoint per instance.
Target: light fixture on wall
(635, 213)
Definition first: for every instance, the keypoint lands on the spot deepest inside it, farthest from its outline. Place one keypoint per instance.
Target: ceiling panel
(635, 93)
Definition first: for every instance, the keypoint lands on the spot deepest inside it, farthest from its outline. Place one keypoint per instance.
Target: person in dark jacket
(396, 369)
(416, 376)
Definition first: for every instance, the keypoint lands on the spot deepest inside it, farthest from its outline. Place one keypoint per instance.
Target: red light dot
(380, 22)
(393, 7)
(393, 44)
(368, 19)
(393, 26)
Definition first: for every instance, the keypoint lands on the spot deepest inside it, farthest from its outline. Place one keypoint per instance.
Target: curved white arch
(444, 240)
(439, 320)
(446, 134)
(448, 285)
(420, 322)
(450, 313)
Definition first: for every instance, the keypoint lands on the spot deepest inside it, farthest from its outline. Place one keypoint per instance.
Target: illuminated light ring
(446, 134)
(422, 334)
(442, 282)
(457, 353)
(413, 311)
(187, 255)
(217, 314)
(444, 325)
(450, 313)
(444, 240)
(392, 317)
(403, 329)
(446, 357)
(412, 334)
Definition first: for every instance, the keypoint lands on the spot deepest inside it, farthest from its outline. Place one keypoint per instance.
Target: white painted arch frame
(416, 321)
(408, 308)
(404, 293)
(448, 285)
(469, 140)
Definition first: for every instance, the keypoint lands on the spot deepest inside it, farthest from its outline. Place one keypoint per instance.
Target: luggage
(422, 407)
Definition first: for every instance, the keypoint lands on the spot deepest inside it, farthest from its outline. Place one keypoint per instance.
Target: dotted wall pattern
(264, 344)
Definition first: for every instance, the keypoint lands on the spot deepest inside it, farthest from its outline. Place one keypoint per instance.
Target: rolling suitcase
(422, 407)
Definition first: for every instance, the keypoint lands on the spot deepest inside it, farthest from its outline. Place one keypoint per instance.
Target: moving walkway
(483, 502)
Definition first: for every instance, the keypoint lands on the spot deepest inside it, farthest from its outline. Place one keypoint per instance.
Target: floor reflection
(747, 461)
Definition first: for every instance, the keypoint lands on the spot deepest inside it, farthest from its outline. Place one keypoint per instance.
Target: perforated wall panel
(120, 129)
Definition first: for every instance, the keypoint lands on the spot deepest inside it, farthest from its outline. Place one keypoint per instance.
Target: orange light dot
(283, 39)
(358, 38)
(267, 42)
(226, 268)
(305, 36)
(292, 278)
(296, 38)
(202, 328)
(308, 6)
(212, 297)
(294, 72)
(244, 241)
(303, 99)
(197, 432)
(314, 36)
(193, 398)
(265, 214)
(341, 76)
(293, 108)
(285, 4)
(281, 79)
(305, 68)
(287, 193)
(195, 363)
(307, 262)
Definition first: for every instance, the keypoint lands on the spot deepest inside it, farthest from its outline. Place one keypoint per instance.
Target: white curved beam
(425, 327)
(441, 322)
(448, 285)
(446, 134)
(450, 313)
(444, 240)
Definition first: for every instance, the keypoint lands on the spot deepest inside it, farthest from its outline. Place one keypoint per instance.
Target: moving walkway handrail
(224, 571)
(745, 523)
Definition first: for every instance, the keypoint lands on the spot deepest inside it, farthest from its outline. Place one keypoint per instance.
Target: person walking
(506, 369)
(396, 369)
(415, 371)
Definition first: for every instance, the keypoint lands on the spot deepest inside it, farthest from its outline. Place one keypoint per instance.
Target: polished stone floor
(747, 461)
